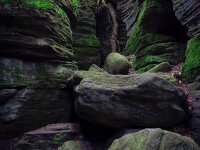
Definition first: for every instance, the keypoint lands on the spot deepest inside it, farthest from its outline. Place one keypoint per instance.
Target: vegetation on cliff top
(41, 4)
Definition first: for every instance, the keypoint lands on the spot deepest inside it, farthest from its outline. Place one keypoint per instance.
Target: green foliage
(58, 138)
(75, 4)
(191, 67)
(87, 41)
(5, 1)
(40, 4)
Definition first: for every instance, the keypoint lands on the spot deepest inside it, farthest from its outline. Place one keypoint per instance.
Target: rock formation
(97, 74)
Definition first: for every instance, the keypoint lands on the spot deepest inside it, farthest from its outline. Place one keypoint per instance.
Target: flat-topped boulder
(146, 100)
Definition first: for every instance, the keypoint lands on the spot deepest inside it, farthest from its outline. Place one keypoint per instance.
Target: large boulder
(116, 64)
(151, 139)
(146, 100)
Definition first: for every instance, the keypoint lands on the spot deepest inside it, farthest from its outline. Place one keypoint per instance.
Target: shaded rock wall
(86, 45)
(37, 33)
(188, 13)
(155, 34)
(35, 63)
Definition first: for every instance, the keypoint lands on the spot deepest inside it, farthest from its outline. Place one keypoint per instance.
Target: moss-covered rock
(155, 36)
(191, 68)
(116, 64)
(40, 29)
(128, 100)
(151, 139)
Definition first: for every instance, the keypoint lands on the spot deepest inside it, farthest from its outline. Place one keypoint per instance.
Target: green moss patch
(40, 4)
(191, 68)
(87, 41)
(6, 1)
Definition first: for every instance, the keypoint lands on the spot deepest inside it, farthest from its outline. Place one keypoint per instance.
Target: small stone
(117, 64)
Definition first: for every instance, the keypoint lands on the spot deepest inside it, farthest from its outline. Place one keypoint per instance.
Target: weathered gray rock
(188, 13)
(32, 95)
(132, 100)
(151, 139)
(117, 64)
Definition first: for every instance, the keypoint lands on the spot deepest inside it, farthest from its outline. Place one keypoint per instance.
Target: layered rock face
(36, 55)
(188, 12)
(153, 39)
(86, 45)
(41, 41)
(116, 101)
(107, 28)
(35, 32)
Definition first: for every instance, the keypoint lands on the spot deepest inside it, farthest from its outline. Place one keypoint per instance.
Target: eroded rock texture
(35, 33)
(153, 39)
(116, 101)
(107, 28)
(36, 61)
(86, 45)
(188, 13)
